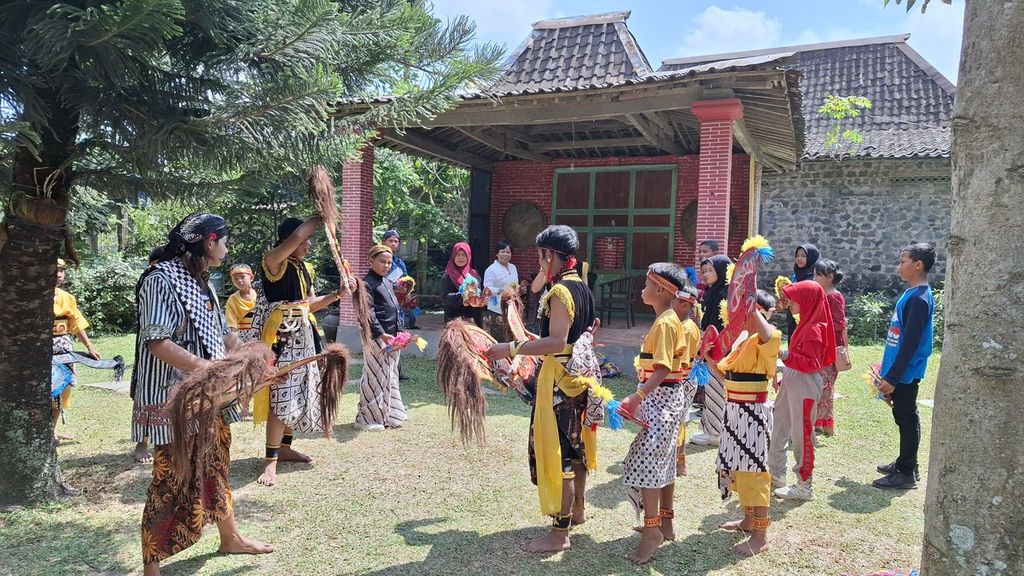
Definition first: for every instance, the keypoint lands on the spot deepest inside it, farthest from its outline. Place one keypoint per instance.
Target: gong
(523, 221)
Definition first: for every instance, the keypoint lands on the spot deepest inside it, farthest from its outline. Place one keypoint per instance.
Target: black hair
(765, 300)
(286, 228)
(826, 267)
(710, 244)
(923, 252)
(501, 245)
(674, 273)
(155, 255)
(186, 241)
(559, 238)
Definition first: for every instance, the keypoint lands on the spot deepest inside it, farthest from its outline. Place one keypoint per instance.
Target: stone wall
(858, 213)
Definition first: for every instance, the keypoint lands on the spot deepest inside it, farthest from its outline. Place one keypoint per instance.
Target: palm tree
(175, 97)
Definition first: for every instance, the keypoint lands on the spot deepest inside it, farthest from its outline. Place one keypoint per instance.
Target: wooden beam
(434, 148)
(657, 137)
(505, 146)
(575, 107)
(596, 143)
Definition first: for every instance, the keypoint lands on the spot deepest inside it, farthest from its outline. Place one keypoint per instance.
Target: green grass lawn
(414, 501)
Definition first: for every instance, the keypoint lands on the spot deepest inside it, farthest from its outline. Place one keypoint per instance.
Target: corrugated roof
(913, 102)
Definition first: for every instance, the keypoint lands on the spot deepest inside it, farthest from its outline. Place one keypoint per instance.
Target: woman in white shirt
(499, 275)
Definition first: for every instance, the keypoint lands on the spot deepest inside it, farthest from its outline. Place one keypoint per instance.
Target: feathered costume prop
(462, 368)
(196, 402)
(325, 201)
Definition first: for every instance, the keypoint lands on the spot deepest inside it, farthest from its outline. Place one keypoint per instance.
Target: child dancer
(683, 305)
(650, 465)
(742, 454)
(812, 346)
(240, 305)
(828, 274)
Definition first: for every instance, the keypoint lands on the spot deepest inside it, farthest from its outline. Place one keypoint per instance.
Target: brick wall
(528, 181)
(858, 213)
(356, 221)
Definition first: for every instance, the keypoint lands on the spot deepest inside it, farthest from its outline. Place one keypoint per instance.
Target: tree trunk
(974, 509)
(28, 267)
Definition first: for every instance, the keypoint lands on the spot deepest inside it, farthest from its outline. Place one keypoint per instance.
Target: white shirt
(497, 278)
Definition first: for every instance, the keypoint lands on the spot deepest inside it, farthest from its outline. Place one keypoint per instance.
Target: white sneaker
(369, 427)
(704, 439)
(799, 491)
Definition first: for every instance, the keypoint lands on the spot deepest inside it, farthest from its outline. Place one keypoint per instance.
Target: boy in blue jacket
(907, 348)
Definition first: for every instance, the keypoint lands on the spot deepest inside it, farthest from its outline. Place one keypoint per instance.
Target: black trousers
(904, 412)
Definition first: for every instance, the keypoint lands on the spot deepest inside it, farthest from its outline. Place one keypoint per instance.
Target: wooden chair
(619, 296)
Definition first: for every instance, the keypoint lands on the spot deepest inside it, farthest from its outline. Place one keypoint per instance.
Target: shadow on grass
(106, 472)
(37, 541)
(860, 498)
(194, 565)
(465, 552)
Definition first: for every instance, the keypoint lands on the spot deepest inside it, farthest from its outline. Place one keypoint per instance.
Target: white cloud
(501, 22)
(720, 30)
(937, 35)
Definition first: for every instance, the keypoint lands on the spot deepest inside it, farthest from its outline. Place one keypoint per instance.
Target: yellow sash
(547, 449)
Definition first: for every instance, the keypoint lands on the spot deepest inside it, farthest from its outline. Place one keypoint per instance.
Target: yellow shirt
(665, 345)
(691, 334)
(67, 319)
(238, 311)
(751, 357)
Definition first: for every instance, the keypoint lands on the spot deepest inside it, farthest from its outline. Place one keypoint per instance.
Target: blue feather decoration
(767, 254)
(615, 421)
(699, 374)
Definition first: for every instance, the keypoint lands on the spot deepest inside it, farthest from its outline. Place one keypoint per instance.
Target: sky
(672, 28)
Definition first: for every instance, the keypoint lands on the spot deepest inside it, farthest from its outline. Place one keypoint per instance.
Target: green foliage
(868, 316)
(910, 4)
(839, 139)
(194, 97)
(105, 289)
(428, 198)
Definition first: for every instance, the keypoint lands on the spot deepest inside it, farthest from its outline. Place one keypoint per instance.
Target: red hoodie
(813, 344)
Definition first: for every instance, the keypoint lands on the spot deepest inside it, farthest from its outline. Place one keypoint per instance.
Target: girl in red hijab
(812, 347)
(458, 269)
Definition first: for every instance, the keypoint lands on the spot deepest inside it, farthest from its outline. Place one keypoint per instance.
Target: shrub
(105, 289)
(939, 318)
(868, 317)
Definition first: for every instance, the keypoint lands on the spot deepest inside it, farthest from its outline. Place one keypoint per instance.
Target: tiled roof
(913, 102)
(578, 52)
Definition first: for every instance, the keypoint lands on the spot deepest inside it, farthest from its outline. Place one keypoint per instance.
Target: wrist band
(640, 393)
(515, 347)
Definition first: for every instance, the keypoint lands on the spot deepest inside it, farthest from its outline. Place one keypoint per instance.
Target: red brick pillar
(356, 221)
(714, 175)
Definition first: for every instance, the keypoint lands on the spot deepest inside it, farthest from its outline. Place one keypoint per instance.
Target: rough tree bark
(974, 509)
(28, 265)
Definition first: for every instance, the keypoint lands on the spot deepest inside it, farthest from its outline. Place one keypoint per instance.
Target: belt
(746, 397)
(745, 377)
(746, 389)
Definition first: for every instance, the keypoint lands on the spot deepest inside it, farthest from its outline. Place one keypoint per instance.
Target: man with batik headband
(561, 449)
(743, 450)
(661, 400)
(285, 316)
(181, 329)
(68, 321)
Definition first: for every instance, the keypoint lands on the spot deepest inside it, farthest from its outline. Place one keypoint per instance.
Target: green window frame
(590, 212)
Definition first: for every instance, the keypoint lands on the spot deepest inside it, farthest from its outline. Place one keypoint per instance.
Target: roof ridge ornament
(586, 20)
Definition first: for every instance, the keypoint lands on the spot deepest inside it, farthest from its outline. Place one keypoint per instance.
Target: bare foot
(579, 514)
(141, 453)
(242, 545)
(289, 454)
(649, 543)
(744, 525)
(755, 545)
(62, 437)
(269, 476)
(667, 530)
(553, 541)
